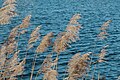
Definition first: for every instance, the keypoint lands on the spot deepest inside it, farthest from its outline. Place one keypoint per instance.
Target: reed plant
(78, 66)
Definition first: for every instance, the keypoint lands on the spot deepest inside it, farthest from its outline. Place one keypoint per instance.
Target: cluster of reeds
(78, 66)
(10, 66)
(7, 11)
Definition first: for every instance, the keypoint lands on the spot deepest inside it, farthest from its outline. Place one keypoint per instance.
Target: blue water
(54, 16)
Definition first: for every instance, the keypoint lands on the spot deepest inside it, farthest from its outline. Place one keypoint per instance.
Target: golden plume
(7, 12)
(78, 65)
(70, 35)
(9, 2)
(34, 35)
(25, 22)
(103, 34)
(105, 25)
(46, 41)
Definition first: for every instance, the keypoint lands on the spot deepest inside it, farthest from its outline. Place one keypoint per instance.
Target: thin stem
(33, 67)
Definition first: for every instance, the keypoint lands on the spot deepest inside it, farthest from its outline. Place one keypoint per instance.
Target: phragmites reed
(102, 54)
(103, 34)
(78, 65)
(74, 19)
(34, 35)
(11, 67)
(46, 41)
(105, 25)
(25, 22)
(7, 11)
(70, 35)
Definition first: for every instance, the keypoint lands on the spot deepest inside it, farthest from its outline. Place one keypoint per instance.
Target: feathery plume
(11, 47)
(13, 33)
(103, 34)
(35, 31)
(70, 35)
(62, 41)
(78, 65)
(50, 75)
(25, 22)
(102, 54)
(9, 2)
(34, 35)
(47, 65)
(23, 31)
(74, 19)
(105, 25)
(33, 39)
(46, 41)
(7, 12)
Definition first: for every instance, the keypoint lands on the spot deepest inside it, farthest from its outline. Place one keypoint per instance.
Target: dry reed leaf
(46, 41)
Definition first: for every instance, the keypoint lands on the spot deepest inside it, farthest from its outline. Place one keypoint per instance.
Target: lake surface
(54, 16)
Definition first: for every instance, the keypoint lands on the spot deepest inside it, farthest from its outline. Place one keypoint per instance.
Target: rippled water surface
(54, 15)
